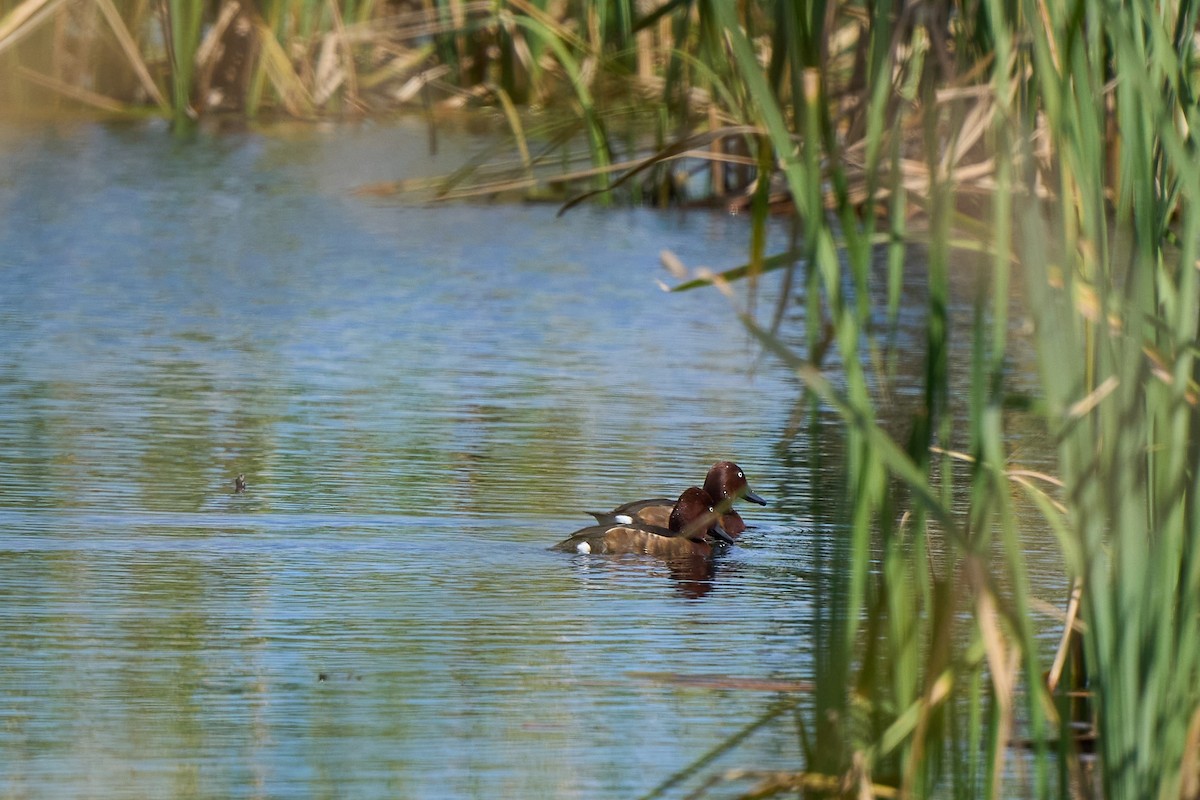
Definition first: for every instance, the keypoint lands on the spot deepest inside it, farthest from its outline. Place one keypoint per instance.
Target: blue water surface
(423, 398)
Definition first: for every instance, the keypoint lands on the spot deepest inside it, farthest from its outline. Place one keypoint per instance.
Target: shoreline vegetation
(1051, 146)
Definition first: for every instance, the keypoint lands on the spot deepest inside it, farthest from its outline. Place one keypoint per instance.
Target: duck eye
(740, 475)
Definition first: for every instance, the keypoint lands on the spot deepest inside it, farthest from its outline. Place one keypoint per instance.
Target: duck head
(695, 517)
(726, 483)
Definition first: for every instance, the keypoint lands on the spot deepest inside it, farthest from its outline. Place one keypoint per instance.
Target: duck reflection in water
(693, 575)
(725, 483)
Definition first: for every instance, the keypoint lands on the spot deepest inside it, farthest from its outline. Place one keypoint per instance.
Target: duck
(692, 528)
(725, 483)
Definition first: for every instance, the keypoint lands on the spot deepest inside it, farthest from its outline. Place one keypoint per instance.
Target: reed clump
(192, 58)
(1054, 149)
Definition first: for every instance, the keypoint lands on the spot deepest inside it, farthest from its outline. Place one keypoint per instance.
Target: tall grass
(1080, 121)
(301, 57)
(311, 58)
(1116, 300)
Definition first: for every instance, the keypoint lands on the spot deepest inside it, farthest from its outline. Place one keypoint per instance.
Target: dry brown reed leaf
(1064, 644)
(977, 122)
(673, 264)
(74, 92)
(1048, 609)
(403, 62)
(292, 93)
(979, 91)
(24, 19)
(1161, 371)
(520, 47)
(860, 775)
(957, 455)
(418, 82)
(716, 157)
(329, 73)
(130, 49)
(1016, 474)
(1189, 787)
(1019, 478)
(1003, 661)
(1085, 406)
(209, 51)
(347, 54)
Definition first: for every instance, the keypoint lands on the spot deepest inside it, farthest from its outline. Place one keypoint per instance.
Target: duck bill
(753, 498)
(719, 533)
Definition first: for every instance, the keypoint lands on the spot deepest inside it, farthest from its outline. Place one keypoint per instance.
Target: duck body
(656, 511)
(633, 538)
(692, 527)
(724, 483)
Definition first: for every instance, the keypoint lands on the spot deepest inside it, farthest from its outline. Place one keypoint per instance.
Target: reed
(319, 57)
(1057, 146)
(1116, 298)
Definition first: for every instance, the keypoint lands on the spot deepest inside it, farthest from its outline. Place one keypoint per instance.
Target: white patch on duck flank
(583, 548)
(623, 519)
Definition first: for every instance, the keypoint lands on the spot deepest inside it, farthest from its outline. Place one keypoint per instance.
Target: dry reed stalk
(646, 57)
(403, 63)
(291, 90)
(130, 49)
(1070, 627)
(347, 55)
(328, 74)
(1189, 788)
(209, 50)
(1003, 661)
(717, 169)
(84, 96)
(24, 19)
(418, 82)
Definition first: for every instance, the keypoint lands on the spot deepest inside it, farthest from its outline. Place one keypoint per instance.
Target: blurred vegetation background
(1048, 149)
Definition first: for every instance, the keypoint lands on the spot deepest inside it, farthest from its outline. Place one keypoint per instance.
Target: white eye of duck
(740, 475)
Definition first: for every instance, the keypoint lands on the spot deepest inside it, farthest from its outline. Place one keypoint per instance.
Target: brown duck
(692, 528)
(725, 484)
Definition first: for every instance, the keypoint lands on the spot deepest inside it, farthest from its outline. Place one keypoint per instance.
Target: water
(423, 399)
